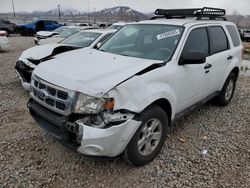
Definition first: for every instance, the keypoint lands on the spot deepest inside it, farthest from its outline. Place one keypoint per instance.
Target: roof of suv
(181, 22)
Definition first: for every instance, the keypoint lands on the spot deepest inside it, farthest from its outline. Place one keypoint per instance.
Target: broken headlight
(92, 105)
(89, 105)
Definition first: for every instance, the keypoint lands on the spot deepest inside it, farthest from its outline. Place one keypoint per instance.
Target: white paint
(111, 141)
(43, 51)
(4, 43)
(102, 74)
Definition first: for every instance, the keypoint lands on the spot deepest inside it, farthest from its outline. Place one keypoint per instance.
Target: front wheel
(227, 92)
(149, 138)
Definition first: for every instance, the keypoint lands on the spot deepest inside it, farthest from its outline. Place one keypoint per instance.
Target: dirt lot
(30, 158)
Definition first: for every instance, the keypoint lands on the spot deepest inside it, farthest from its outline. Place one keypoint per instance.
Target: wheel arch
(166, 106)
(236, 71)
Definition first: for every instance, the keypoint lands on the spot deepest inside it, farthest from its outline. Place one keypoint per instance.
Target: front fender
(135, 95)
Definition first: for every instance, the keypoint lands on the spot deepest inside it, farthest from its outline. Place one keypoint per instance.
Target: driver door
(193, 79)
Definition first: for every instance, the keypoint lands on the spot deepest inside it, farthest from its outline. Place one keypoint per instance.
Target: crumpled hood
(54, 39)
(46, 33)
(91, 72)
(39, 52)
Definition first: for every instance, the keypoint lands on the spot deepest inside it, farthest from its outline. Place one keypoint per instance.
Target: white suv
(122, 97)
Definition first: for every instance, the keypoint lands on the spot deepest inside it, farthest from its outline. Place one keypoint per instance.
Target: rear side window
(197, 40)
(234, 35)
(48, 22)
(218, 39)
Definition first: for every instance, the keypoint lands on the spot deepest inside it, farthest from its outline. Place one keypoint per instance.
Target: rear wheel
(227, 92)
(149, 138)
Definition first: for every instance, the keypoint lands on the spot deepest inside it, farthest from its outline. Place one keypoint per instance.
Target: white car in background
(117, 25)
(4, 42)
(47, 34)
(67, 32)
(33, 56)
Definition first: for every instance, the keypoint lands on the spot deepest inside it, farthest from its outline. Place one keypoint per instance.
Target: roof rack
(199, 13)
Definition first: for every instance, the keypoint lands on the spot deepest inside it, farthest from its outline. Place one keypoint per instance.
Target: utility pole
(94, 15)
(88, 11)
(59, 11)
(13, 7)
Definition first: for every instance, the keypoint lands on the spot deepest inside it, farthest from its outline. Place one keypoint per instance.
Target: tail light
(3, 33)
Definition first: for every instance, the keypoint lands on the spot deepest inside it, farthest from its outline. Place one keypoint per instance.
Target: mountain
(115, 13)
(120, 11)
(54, 12)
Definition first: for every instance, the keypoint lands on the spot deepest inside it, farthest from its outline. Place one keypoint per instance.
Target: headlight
(91, 105)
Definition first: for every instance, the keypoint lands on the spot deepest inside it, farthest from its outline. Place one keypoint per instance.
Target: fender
(235, 63)
(138, 95)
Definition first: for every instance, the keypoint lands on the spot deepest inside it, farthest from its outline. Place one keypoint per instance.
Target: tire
(227, 92)
(154, 125)
(29, 32)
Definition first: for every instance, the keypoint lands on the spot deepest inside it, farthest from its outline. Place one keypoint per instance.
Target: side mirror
(193, 57)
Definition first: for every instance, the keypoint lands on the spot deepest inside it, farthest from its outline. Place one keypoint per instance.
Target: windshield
(151, 41)
(59, 30)
(115, 27)
(68, 32)
(83, 39)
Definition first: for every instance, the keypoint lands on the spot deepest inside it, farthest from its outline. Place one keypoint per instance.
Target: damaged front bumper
(108, 142)
(24, 73)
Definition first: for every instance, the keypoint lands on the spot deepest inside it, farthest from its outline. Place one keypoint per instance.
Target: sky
(145, 6)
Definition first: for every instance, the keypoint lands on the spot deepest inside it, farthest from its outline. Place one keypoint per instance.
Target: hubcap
(149, 137)
(229, 90)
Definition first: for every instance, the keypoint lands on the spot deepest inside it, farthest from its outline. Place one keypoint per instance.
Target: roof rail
(199, 13)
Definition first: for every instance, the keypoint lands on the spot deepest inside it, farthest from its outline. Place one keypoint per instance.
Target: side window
(47, 22)
(234, 35)
(218, 39)
(197, 40)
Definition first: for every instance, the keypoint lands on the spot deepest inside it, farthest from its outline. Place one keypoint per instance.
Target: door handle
(208, 66)
(229, 57)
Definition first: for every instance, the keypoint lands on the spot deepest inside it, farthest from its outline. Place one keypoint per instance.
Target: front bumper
(4, 44)
(109, 142)
(24, 72)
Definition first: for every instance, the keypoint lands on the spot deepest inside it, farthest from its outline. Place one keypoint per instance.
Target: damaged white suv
(122, 97)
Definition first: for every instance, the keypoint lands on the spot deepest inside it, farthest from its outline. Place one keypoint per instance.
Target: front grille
(51, 96)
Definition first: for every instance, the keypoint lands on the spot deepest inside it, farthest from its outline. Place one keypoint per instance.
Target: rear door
(220, 56)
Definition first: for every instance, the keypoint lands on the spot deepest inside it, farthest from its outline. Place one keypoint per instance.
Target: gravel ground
(30, 158)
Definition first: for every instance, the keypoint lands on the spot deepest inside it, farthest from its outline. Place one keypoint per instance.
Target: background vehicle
(65, 33)
(246, 35)
(7, 26)
(122, 97)
(46, 34)
(38, 25)
(4, 42)
(31, 57)
(117, 25)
